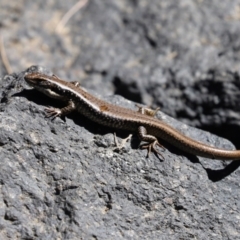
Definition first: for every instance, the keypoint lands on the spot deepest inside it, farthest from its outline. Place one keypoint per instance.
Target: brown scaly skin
(142, 121)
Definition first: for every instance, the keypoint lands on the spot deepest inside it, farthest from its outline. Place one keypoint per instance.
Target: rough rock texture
(63, 179)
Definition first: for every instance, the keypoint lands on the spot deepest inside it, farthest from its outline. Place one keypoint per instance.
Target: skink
(142, 121)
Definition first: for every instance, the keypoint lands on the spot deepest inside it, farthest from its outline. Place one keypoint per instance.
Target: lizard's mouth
(29, 80)
(32, 79)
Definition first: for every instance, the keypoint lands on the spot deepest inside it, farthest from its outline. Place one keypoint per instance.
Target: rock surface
(63, 179)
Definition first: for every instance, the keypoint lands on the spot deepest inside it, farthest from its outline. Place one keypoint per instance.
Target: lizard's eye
(43, 83)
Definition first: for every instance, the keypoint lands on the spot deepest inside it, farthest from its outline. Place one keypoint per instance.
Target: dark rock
(63, 179)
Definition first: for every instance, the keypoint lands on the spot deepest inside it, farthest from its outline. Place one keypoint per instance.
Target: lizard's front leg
(57, 112)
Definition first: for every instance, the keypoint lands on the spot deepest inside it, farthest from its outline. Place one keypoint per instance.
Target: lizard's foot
(122, 144)
(53, 112)
(152, 141)
(152, 148)
(57, 112)
(147, 111)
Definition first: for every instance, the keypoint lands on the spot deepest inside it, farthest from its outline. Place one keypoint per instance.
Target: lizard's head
(37, 80)
(45, 84)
